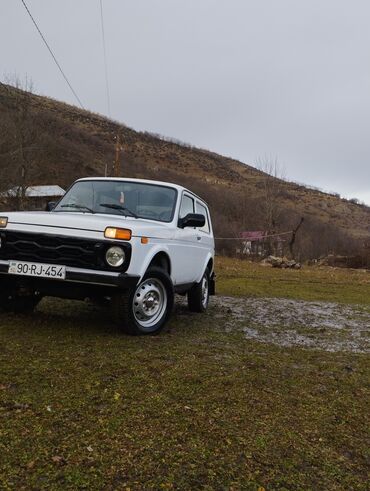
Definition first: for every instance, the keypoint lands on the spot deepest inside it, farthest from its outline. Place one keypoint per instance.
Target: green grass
(84, 407)
(243, 278)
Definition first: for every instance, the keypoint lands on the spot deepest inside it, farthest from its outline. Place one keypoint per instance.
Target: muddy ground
(312, 325)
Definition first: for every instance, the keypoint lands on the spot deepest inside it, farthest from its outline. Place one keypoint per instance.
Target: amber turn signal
(144, 240)
(117, 233)
(3, 222)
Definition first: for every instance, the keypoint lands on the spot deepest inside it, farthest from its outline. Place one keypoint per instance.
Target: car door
(204, 234)
(187, 248)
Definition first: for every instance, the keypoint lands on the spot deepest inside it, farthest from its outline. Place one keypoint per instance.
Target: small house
(35, 197)
(259, 243)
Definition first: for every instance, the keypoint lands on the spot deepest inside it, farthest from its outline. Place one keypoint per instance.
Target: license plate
(38, 270)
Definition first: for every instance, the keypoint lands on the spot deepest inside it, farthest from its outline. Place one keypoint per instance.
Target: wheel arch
(209, 263)
(161, 260)
(159, 256)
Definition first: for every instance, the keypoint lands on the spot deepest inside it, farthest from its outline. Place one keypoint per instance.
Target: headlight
(115, 257)
(3, 222)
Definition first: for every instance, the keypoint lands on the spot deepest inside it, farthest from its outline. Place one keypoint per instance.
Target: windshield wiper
(78, 207)
(119, 208)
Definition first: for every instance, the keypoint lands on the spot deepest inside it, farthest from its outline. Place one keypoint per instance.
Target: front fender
(142, 256)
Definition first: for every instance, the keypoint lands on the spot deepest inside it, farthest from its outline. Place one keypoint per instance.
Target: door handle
(199, 238)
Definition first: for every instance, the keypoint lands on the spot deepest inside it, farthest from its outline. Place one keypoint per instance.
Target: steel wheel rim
(149, 303)
(205, 291)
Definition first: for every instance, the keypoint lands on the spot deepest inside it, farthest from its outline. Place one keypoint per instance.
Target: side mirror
(50, 206)
(192, 220)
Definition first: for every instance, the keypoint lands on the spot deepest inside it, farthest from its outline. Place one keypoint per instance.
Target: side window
(203, 211)
(187, 206)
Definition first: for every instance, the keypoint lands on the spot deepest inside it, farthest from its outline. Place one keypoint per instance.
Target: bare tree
(272, 186)
(272, 192)
(20, 138)
(294, 237)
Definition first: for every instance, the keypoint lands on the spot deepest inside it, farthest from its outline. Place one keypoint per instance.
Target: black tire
(3, 303)
(147, 308)
(101, 302)
(198, 296)
(19, 305)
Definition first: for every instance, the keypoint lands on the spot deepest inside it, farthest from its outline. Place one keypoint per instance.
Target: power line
(52, 54)
(105, 56)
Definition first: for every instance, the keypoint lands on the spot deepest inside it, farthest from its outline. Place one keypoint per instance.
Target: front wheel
(198, 296)
(19, 304)
(146, 309)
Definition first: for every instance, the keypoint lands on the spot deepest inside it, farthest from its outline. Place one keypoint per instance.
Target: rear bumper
(79, 276)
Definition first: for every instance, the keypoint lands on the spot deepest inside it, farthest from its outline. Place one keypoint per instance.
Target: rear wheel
(146, 309)
(198, 296)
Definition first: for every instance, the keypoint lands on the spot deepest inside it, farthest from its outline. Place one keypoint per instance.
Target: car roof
(143, 181)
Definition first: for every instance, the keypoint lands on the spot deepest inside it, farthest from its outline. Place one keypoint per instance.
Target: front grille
(57, 249)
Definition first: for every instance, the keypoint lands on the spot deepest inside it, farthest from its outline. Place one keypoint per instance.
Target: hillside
(61, 143)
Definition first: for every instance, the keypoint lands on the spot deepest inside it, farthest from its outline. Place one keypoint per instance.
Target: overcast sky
(246, 78)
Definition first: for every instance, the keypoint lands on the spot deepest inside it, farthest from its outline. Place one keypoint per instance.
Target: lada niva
(129, 243)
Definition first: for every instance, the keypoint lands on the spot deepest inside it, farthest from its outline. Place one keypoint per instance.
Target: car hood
(86, 222)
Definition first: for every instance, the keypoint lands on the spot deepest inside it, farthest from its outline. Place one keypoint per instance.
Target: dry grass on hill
(70, 143)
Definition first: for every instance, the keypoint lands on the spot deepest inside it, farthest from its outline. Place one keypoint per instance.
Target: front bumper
(81, 276)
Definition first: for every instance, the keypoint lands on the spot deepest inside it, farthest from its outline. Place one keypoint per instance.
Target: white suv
(130, 242)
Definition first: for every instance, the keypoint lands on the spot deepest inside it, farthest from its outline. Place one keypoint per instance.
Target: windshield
(125, 198)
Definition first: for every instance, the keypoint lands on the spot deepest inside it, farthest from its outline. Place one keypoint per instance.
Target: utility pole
(117, 171)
